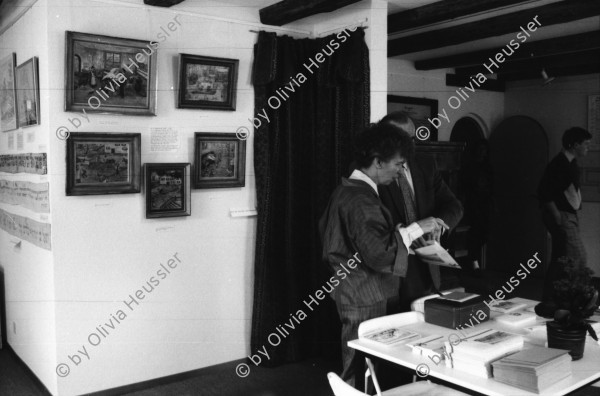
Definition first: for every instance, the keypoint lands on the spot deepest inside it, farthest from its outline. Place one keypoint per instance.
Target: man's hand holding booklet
(431, 252)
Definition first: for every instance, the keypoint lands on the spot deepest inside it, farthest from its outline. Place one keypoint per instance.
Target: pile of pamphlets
(475, 354)
(533, 369)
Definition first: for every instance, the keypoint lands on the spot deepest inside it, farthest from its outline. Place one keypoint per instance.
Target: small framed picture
(207, 83)
(28, 93)
(8, 93)
(110, 74)
(168, 192)
(419, 110)
(219, 160)
(103, 163)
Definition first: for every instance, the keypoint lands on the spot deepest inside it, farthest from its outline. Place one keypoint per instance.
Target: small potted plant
(576, 299)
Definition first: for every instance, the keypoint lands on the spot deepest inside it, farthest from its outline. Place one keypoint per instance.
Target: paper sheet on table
(436, 254)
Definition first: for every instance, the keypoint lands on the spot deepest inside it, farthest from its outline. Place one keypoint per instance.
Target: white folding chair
(421, 388)
(385, 322)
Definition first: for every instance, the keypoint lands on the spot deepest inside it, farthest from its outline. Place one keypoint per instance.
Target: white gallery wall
(405, 80)
(72, 306)
(28, 268)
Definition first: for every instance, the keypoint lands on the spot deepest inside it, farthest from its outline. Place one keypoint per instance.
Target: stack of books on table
(534, 369)
(475, 354)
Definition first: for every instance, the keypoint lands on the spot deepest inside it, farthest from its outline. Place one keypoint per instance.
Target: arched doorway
(519, 155)
(474, 192)
(467, 129)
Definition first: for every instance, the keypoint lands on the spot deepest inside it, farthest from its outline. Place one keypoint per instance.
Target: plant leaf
(592, 331)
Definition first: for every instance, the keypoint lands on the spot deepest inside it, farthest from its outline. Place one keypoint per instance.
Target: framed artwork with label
(219, 160)
(103, 163)
(168, 192)
(206, 82)
(8, 93)
(110, 74)
(28, 93)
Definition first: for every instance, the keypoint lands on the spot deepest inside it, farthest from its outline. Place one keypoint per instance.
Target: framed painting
(419, 109)
(28, 93)
(110, 75)
(8, 93)
(103, 163)
(207, 83)
(168, 192)
(219, 160)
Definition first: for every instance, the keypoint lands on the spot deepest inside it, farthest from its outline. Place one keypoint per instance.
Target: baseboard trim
(34, 378)
(139, 386)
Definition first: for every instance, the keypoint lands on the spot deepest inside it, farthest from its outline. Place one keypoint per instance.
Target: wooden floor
(298, 379)
(306, 378)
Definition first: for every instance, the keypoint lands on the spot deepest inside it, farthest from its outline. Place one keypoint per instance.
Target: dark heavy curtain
(300, 153)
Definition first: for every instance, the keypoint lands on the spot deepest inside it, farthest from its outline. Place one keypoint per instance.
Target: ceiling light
(547, 79)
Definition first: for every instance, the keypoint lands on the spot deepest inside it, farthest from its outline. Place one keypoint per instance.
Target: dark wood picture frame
(418, 109)
(168, 189)
(95, 161)
(214, 89)
(106, 74)
(28, 93)
(9, 116)
(219, 160)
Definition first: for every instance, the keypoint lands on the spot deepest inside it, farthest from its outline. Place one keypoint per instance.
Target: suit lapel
(398, 199)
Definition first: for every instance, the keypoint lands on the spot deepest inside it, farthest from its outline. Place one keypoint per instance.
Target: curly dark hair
(383, 141)
(575, 135)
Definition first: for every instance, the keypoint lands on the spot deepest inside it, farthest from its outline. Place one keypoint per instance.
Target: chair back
(340, 388)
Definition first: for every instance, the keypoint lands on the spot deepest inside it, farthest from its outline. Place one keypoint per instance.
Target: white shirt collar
(360, 175)
(569, 156)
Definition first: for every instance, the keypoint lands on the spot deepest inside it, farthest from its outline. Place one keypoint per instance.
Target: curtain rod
(362, 22)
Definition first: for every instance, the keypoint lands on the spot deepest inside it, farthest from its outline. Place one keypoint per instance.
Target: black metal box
(454, 314)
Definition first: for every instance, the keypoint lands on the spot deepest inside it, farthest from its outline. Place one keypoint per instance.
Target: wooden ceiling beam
(287, 11)
(554, 72)
(560, 45)
(440, 11)
(162, 3)
(455, 80)
(536, 63)
(549, 14)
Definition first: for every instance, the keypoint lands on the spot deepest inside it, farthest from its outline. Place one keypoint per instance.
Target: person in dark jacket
(560, 197)
(362, 242)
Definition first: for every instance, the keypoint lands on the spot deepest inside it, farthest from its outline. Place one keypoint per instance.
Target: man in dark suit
(421, 186)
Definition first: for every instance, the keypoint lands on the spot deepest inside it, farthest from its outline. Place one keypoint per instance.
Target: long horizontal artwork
(33, 196)
(27, 229)
(35, 163)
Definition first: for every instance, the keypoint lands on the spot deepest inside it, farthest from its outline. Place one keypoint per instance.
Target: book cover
(517, 319)
(506, 306)
(488, 346)
(435, 254)
(390, 336)
(459, 296)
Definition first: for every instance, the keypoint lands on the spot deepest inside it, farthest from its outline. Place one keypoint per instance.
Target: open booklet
(434, 253)
(389, 336)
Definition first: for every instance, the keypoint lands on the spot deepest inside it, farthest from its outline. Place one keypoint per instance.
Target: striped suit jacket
(356, 221)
